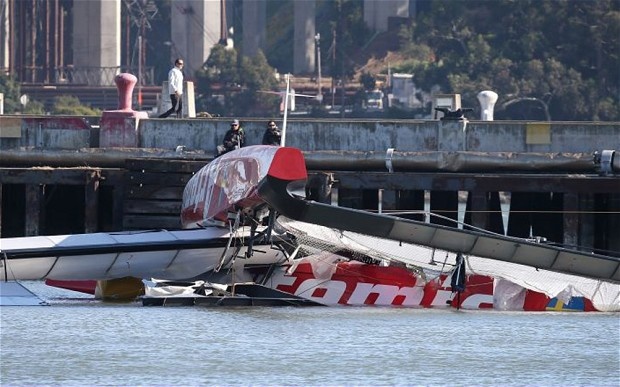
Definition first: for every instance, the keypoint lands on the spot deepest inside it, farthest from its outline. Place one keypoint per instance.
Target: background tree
(242, 84)
(256, 77)
(11, 90)
(345, 20)
(563, 54)
(219, 76)
(69, 105)
(34, 107)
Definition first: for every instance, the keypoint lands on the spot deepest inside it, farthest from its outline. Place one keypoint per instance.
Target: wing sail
(491, 246)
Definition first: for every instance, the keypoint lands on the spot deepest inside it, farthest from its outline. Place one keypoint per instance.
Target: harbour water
(79, 341)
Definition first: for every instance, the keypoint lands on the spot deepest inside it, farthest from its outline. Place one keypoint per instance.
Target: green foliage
(34, 107)
(257, 77)
(256, 74)
(344, 21)
(69, 105)
(11, 90)
(12, 93)
(241, 82)
(219, 75)
(220, 67)
(564, 53)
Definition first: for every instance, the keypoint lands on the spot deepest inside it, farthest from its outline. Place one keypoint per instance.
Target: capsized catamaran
(246, 220)
(221, 218)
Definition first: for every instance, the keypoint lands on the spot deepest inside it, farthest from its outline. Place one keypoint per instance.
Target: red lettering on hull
(354, 283)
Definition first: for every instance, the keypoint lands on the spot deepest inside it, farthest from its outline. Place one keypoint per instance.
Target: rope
(233, 231)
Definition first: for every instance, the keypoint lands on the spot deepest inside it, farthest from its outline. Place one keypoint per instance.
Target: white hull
(173, 255)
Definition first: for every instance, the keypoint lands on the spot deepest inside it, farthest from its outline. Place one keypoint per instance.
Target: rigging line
(470, 268)
(385, 255)
(6, 269)
(578, 247)
(483, 231)
(465, 224)
(492, 233)
(286, 242)
(444, 263)
(232, 230)
(419, 212)
(349, 243)
(415, 269)
(292, 256)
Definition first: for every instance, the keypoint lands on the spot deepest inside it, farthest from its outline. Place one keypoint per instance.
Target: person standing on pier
(175, 89)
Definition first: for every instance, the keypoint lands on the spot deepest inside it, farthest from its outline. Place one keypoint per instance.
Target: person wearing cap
(272, 135)
(175, 89)
(233, 139)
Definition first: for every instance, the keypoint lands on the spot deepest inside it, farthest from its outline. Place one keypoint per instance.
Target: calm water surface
(85, 342)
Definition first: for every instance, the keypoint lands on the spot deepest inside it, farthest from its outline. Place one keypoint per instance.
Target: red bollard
(125, 83)
(119, 128)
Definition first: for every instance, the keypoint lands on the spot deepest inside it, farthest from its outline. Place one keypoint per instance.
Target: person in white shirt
(175, 89)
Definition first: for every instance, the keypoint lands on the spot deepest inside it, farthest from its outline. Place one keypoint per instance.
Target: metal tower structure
(139, 15)
(35, 38)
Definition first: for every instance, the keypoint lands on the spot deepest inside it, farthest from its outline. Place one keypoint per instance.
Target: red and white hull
(357, 284)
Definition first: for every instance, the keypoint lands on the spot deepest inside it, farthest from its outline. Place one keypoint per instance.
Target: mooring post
(125, 84)
(119, 127)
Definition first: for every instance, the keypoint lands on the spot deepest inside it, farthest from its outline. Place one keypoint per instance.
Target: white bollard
(487, 99)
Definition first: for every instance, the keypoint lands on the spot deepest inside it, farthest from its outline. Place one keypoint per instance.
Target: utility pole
(317, 40)
(333, 66)
(140, 57)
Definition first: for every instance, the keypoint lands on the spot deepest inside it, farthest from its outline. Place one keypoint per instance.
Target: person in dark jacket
(272, 134)
(233, 139)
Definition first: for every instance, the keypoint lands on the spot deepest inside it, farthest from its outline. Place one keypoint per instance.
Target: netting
(430, 262)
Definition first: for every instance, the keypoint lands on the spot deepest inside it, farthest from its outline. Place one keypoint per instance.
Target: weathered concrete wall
(45, 132)
(191, 133)
(520, 136)
(403, 135)
(339, 135)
